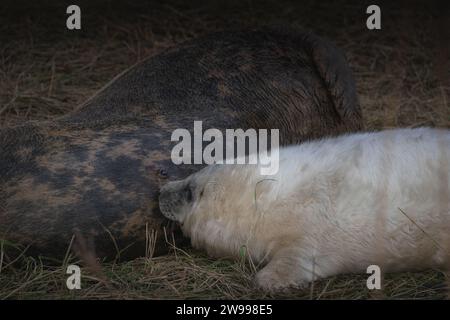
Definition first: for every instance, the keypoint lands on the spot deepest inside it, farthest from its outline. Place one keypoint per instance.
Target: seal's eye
(162, 173)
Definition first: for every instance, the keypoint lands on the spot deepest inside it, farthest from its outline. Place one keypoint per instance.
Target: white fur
(335, 206)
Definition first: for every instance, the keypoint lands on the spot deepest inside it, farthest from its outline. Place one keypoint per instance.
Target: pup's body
(335, 206)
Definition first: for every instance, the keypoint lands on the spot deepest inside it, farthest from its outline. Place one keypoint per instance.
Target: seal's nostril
(188, 194)
(163, 173)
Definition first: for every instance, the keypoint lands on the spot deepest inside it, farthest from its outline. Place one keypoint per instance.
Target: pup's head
(216, 206)
(178, 198)
(216, 189)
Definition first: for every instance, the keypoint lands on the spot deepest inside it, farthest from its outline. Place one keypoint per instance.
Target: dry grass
(191, 275)
(46, 71)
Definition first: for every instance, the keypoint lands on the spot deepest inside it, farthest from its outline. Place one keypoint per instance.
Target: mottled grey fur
(96, 172)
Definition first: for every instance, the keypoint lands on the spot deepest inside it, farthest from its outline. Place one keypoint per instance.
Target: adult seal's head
(91, 179)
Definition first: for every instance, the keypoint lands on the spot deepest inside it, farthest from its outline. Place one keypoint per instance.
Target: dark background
(402, 70)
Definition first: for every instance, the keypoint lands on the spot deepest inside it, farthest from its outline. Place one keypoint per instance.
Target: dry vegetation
(191, 275)
(402, 75)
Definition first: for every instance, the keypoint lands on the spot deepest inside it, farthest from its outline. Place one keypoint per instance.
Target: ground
(403, 79)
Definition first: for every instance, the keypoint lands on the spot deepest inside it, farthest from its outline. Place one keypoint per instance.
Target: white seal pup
(335, 206)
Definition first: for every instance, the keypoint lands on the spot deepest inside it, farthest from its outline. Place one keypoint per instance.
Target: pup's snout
(166, 203)
(173, 200)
